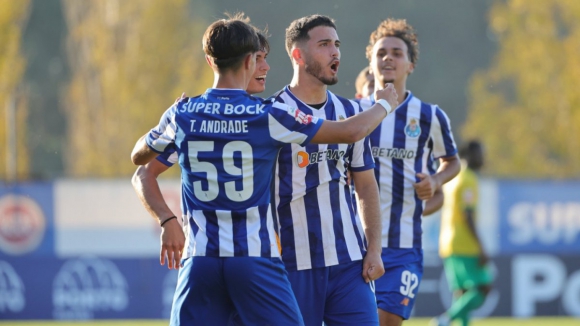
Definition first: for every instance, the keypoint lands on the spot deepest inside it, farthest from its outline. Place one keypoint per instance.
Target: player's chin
(332, 80)
(256, 89)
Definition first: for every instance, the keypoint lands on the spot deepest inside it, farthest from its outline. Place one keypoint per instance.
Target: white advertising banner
(106, 218)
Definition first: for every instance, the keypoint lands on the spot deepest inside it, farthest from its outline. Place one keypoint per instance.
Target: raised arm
(359, 126)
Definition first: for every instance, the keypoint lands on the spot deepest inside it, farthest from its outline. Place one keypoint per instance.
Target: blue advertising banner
(85, 288)
(26, 220)
(539, 216)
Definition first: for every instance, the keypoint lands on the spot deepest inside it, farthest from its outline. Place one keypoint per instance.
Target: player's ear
(411, 68)
(209, 61)
(248, 60)
(297, 55)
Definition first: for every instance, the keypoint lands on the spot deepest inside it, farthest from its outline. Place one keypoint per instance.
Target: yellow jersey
(461, 193)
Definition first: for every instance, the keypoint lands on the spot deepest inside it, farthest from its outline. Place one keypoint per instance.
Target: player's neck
(230, 80)
(308, 89)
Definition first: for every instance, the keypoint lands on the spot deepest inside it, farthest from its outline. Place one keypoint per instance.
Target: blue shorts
(337, 295)
(212, 290)
(397, 289)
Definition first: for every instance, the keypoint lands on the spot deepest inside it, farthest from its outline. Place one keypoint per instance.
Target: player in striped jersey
(322, 248)
(404, 146)
(145, 178)
(224, 139)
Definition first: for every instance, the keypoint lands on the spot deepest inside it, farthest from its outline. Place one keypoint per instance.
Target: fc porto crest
(412, 129)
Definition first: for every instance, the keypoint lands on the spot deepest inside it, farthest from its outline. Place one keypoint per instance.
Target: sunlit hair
(263, 37)
(299, 28)
(228, 41)
(396, 28)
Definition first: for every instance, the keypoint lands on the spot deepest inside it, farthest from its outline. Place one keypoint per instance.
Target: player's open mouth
(261, 78)
(334, 66)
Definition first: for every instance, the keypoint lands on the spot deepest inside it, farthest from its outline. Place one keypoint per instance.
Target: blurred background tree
(14, 162)
(99, 73)
(526, 106)
(128, 59)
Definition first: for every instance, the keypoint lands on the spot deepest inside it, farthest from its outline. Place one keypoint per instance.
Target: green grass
(538, 321)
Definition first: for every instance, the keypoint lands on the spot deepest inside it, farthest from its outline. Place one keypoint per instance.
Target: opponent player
(145, 178)
(463, 255)
(322, 247)
(404, 146)
(224, 139)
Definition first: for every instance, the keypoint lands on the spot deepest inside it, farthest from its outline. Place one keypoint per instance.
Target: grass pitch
(537, 321)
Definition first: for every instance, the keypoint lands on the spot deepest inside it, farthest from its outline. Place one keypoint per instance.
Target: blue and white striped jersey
(168, 157)
(227, 142)
(313, 204)
(406, 143)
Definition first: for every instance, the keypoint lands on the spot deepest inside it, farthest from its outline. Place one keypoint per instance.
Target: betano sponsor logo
(11, 290)
(398, 153)
(303, 159)
(22, 224)
(88, 285)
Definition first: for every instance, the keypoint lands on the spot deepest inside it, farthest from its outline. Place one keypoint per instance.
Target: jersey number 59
(211, 172)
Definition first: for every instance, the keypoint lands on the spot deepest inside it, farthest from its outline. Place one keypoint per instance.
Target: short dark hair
(264, 44)
(468, 148)
(228, 41)
(299, 28)
(396, 28)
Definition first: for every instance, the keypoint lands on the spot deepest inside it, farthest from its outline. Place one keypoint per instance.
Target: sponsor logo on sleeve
(22, 224)
(300, 116)
(88, 285)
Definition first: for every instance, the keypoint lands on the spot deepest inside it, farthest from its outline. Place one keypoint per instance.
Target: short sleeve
(169, 156)
(290, 125)
(164, 133)
(443, 142)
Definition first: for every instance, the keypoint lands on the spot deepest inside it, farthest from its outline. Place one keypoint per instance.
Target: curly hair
(396, 28)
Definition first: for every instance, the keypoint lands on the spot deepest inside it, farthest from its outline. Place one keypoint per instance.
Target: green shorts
(464, 272)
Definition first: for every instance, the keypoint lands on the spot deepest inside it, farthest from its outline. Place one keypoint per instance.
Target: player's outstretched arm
(367, 193)
(147, 188)
(141, 153)
(359, 126)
